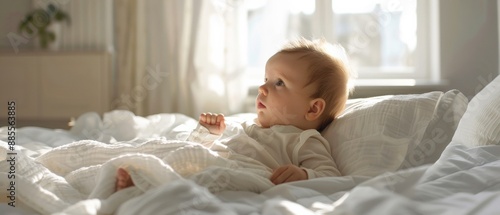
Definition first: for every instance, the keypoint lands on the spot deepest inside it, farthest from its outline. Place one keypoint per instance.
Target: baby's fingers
(203, 118)
(211, 118)
(220, 118)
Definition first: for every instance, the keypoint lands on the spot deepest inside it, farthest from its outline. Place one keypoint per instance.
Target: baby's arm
(288, 173)
(316, 160)
(210, 128)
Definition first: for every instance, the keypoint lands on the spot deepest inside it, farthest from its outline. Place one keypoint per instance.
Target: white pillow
(378, 134)
(480, 124)
(449, 110)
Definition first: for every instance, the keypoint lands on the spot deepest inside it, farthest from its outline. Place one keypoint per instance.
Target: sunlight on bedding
(459, 176)
(322, 207)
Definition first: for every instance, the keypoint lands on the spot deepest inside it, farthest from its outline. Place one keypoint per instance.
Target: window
(385, 39)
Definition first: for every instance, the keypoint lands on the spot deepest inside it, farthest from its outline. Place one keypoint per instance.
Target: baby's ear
(316, 108)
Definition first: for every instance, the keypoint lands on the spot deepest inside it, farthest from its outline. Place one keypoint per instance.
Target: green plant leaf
(37, 21)
(61, 16)
(51, 8)
(51, 37)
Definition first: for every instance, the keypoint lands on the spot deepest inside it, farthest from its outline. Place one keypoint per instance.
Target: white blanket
(62, 173)
(86, 170)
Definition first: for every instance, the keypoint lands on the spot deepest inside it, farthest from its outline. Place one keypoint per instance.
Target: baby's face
(284, 98)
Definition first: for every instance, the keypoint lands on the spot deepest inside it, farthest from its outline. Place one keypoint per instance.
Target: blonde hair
(329, 69)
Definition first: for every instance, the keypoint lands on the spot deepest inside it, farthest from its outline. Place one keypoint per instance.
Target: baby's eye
(280, 83)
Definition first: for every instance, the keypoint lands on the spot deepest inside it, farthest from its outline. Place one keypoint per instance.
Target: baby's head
(306, 85)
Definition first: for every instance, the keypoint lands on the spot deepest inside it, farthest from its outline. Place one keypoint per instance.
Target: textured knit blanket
(76, 173)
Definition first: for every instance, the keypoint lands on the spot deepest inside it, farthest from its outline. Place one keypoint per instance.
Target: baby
(305, 88)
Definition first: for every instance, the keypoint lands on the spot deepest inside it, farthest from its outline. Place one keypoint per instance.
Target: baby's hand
(213, 122)
(288, 173)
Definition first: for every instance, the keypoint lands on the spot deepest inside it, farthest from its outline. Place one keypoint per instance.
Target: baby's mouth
(260, 105)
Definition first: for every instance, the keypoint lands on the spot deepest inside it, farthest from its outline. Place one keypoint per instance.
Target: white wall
(469, 43)
(10, 14)
(91, 26)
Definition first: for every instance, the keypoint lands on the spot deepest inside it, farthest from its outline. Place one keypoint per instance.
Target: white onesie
(274, 147)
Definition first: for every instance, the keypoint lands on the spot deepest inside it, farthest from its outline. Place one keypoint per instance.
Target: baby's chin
(261, 124)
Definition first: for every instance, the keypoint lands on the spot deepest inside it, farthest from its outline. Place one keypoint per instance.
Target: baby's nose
(263, 90)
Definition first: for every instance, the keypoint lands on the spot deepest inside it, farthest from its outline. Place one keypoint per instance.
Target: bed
(431, 153)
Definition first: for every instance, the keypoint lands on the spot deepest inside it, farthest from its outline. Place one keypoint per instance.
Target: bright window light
(380, 36)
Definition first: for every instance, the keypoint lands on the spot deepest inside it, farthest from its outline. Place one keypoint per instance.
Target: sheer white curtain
(182, 56)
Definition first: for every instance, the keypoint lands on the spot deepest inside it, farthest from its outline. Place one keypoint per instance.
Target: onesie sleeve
(201, 135)
(315, 158)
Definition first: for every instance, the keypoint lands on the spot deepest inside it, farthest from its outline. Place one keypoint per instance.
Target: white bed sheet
(463, 181)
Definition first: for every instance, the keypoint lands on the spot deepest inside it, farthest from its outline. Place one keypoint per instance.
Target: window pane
(377, 33)
(271, 23)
